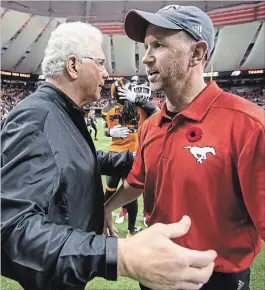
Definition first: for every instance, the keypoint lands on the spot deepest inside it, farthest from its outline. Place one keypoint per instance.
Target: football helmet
(141, 87)
(121, 83)
(134, 80)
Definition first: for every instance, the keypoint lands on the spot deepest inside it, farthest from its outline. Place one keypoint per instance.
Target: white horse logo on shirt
(200, 153)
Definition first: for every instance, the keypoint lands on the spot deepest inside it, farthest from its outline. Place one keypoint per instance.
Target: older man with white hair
(52, 197)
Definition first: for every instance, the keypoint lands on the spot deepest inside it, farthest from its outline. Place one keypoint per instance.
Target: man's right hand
(151, 258)
(119, 132)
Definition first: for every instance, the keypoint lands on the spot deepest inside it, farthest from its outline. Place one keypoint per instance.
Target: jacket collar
(75, 113)
(61, 98)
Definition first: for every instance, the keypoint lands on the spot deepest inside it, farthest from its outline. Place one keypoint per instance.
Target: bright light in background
(235, 73)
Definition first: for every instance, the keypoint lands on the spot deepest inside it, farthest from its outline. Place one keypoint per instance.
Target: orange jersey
(112, 115)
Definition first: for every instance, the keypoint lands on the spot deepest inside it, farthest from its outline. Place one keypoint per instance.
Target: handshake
(159, 263)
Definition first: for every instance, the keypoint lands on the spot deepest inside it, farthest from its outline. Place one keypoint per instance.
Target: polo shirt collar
(199, 107)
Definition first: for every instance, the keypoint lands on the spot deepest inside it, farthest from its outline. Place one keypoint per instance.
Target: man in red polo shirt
(204, 154)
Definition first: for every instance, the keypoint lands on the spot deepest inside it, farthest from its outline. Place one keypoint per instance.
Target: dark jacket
(52, 199)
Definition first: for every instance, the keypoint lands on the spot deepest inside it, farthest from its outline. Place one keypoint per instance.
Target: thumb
(177, 229)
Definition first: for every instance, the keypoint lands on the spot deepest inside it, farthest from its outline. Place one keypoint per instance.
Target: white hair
(69, 38)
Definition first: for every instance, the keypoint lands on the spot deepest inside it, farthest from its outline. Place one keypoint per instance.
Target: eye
(157, 44)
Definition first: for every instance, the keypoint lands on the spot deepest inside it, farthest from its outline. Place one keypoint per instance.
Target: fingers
(198, 275)
(113, 233)
(123, 90)
(105, 231)
(110, 231)
(122, 128)
(175, 230)
(200, 259)
(124, 133)
(115, 229)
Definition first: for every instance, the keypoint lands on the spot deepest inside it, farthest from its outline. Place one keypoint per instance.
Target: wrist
(107, 132)
(140, 101)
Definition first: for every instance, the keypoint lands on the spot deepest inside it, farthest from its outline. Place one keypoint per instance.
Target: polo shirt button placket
(169, 138)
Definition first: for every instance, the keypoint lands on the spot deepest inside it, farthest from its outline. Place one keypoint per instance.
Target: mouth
(151, 74)
(101, 86)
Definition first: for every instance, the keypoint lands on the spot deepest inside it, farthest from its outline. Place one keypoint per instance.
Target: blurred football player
(93, 122)
(121, 121)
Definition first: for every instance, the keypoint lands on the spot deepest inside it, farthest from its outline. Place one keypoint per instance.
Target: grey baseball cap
(189, 18)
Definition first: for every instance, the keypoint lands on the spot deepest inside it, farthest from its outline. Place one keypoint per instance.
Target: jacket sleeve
(118, 162)
(251, 171)
(39, 253)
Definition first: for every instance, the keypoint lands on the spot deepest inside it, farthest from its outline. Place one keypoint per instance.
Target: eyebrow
(99, 58)
(155, 39)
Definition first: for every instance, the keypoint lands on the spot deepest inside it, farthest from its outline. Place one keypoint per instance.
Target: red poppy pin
(194, 134)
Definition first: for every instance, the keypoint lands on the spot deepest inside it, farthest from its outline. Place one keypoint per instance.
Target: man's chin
(156, 87)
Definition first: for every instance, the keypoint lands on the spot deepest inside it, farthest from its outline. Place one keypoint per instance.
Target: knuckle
(205, 277)
(158, 226)
(198, 286)
(182, 261)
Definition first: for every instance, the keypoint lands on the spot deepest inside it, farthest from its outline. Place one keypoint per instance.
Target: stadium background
(237, 64)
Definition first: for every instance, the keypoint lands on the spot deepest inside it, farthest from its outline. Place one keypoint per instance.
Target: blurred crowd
(14, 92)
(255, 95)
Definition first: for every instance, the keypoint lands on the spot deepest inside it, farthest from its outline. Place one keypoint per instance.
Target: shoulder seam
(240, 112)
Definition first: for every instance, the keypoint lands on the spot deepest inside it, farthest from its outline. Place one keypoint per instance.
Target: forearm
(125, 194)
(147, 106)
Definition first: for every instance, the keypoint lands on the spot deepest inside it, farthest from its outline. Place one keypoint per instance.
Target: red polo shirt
(218, 180)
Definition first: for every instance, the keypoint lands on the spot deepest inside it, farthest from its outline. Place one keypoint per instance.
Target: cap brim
(136, 23)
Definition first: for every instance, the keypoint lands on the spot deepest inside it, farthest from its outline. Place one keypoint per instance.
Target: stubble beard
(170, 78)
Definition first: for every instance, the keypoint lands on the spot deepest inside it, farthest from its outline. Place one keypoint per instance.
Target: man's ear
(73, 66)
(199, 51)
